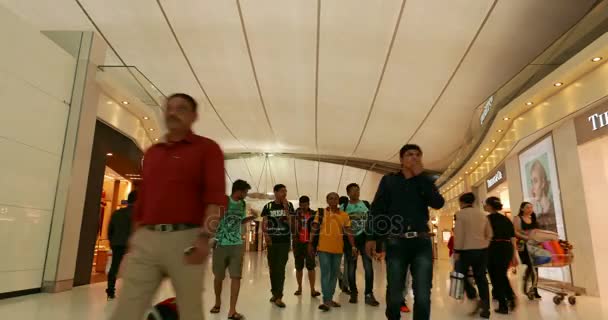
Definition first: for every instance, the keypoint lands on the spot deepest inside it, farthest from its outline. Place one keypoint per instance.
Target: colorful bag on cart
(539, 255)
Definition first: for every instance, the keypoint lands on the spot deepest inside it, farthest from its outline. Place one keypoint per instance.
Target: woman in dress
(501, 255)
(523, 223)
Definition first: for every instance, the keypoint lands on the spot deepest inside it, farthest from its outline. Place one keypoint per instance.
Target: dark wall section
(126, 159)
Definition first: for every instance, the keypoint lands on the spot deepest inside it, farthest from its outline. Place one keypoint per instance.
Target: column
(73, 174)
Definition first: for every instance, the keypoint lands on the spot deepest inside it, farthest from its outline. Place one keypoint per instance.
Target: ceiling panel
(350, 175)
(370, 185)
(211, 34)
(306, 173)
(329, 178)
(50, 15)
(420, 65)
(516, 32)
(138, 31)
(257, 167)
(237, 169)
(283, 171)
(354, 39)
(282, 35)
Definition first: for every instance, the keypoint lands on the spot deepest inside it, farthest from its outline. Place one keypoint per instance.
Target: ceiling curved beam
(447, 84)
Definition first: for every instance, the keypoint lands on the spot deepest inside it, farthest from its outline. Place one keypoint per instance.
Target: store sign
(496, 178)
(592, 124)
(486, 110)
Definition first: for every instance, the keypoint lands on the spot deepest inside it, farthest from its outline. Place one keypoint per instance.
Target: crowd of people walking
(182, 208)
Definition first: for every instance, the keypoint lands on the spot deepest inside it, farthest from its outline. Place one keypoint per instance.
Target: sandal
(236, 316)
(298, 293)
(315, 294)
(324, 307)
(215, 309)
(279, 303)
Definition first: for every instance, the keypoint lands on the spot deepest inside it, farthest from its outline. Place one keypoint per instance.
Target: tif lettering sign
(592, 124)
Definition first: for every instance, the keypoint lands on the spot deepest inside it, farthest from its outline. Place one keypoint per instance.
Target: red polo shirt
(179, 180)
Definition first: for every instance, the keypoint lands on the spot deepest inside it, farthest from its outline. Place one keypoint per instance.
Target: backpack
(317, 231)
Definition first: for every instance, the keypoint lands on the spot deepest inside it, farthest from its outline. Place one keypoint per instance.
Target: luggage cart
(561, 291)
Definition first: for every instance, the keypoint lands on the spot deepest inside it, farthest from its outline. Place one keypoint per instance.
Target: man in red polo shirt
(176, 213)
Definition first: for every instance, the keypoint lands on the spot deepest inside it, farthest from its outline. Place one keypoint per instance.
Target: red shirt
(179, 180)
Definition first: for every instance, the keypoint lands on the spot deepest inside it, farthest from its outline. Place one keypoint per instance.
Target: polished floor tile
(89, 302)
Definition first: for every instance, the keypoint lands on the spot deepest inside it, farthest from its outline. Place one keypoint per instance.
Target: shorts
(230, 257)
(300, 254)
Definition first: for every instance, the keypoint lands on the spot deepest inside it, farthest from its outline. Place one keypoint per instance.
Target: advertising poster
(541, 188)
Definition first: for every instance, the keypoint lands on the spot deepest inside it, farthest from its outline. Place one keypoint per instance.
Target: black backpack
(317, 230)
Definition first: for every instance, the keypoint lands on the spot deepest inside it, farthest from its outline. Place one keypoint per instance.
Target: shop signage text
(496, 178)
(598, 120)
(592, 124)
(486, 110)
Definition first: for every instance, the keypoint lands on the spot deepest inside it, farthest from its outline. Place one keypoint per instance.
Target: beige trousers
(152, 257)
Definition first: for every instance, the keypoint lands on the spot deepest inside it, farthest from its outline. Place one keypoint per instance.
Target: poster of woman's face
(541, 188)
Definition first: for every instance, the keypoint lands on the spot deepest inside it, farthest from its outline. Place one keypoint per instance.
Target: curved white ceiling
(355, 78)
(301, 177)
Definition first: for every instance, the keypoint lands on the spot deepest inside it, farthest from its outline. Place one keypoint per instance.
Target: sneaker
(370, 300)
(405, 309)
(324, 307)
(273, 299)
(353, 299)
(279, 303)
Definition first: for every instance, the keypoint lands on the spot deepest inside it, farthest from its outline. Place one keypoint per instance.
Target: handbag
(457, 285)
(539, 255)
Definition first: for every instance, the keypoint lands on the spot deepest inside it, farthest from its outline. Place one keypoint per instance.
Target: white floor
(90, 303)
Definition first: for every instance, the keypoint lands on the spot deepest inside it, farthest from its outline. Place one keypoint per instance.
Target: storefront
(114, 172)
(592, 141)
(496, 186)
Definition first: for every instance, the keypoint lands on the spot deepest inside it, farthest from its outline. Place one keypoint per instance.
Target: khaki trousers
(154, 255)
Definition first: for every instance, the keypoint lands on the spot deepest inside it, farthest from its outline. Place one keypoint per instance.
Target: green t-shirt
(229, 229)
(358, 216)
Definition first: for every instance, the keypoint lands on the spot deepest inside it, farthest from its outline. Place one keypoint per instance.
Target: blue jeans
(350, 264)
(330, 266)
(417, 255)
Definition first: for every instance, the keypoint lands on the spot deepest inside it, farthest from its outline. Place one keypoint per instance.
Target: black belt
(171, 227)
(411, 235)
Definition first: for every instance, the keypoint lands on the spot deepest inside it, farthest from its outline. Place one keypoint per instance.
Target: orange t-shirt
(332, 231)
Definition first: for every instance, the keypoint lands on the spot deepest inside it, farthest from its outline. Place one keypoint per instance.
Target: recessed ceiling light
(487, 149)
(109, 102)
(596, 59)
(151, 129)
(125, 102)
(146, 118)
(481, 156)
(476, 162)
(499, 130)
(466, 172)
(506, 118)
(156, 139)
(558, 84)
(493, 140)
(529, 103)
(109, 154)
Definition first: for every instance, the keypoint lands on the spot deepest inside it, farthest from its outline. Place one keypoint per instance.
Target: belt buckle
(164, 227)
(411, 235)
